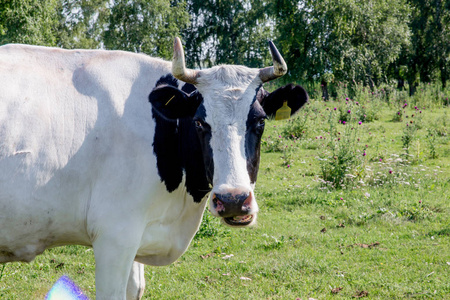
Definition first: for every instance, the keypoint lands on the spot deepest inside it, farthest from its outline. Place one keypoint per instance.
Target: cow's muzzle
(235, 209)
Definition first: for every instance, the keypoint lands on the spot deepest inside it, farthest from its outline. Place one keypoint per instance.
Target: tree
(28, 21)
(341, 39)
(429, 52)
(145, 26)
(81, 23)
(229, 32)
(140, 25)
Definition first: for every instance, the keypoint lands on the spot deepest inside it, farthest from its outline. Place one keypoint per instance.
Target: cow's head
(227, 110)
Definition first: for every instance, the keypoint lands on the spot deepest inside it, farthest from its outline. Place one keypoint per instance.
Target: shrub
(341, 163)
(273, 144)
(431, 140)
(296, 128)
(409, 133)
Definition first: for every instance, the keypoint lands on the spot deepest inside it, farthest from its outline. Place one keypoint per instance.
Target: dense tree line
(326, 41)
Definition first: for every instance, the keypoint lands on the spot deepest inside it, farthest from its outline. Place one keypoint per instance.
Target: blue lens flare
(65, 289)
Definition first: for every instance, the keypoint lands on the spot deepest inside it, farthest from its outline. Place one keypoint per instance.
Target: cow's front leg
(136, 282)
(113, 262)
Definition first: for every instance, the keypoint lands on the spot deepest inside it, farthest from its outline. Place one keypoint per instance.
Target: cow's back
(64, 115)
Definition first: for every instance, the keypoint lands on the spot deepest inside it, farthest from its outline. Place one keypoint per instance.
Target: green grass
(384, 233)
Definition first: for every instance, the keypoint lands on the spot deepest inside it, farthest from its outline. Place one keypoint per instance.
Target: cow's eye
(198, 124)
(261, 122)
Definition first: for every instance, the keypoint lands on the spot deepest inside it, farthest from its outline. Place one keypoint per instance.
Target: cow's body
(78, 164)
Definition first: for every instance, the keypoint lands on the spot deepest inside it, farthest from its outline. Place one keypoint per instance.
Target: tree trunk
(324, 90)
(444, 73)
(412, 87)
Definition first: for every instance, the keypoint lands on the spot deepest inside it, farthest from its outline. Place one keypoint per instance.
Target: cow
(122, 152)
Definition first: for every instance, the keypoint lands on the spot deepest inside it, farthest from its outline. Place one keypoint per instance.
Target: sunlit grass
(385, 231)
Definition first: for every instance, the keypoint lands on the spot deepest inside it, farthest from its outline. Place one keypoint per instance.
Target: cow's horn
(278, 69)
(179, 70)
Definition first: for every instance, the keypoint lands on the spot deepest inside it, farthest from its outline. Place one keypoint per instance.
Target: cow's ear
(173, 103)
(295, 95)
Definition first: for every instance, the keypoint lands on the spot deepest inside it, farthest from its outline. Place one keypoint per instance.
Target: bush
(296, 128)
(342, 162)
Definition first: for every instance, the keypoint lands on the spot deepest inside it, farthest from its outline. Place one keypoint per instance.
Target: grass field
(347, 210)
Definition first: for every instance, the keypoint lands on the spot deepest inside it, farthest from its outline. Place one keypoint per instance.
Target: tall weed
(342, 162)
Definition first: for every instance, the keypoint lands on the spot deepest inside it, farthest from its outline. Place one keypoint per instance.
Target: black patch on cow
(204, 134)
(188, 88)
(176, 143)
(255, 128)
(295, 95)
(172, 103)
(193, 157)
(167, 80)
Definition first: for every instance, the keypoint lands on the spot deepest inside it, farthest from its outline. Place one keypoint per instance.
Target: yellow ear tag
(283, 113)
(170, 100)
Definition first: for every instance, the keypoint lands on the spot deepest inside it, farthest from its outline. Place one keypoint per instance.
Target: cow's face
(227, 112)
(230, 123)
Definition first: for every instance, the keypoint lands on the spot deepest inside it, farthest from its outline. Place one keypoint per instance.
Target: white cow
(107, 149)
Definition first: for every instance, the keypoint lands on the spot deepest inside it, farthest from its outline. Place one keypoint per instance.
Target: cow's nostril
(218, 204)
(224, 197)
(230, 198)
(241, 197)
(232, 204)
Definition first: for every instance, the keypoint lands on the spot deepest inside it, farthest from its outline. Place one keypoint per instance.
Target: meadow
(354, 200)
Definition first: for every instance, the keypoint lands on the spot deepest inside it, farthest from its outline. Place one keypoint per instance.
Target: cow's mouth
(240, 220)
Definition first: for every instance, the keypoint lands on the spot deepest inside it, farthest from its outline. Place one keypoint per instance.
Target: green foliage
(145, 26)
(28, 22)
(208, 228)
(231, 32)
(343, 161)
(431, 139)
(273, 144)
(409, 132)
(441, 125)
(327, 41)
(415, 212)
(81, 23)
(350, 39)
(429, 49)
(398, 116)
(140, 26)
(296, 127)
